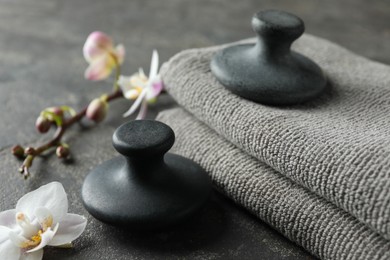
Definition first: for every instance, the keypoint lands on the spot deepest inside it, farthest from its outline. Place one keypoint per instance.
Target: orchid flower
(142, 89)
(39, 219)
(102, 56)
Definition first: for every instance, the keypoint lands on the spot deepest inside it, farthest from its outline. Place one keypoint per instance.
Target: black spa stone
(268, 72)
(146, 188)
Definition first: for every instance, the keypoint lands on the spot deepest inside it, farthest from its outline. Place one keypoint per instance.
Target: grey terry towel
(304, 217)
(337, 146)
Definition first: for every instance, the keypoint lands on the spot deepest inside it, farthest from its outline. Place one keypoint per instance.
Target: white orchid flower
(39, 219)
(142, 89)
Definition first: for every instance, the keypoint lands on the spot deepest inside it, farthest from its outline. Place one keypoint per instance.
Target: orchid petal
(124, 82)
(153, 65)
(44, 217)
(155, 89)
(17, 239)
(120, 53)
(131, 94)
(97, 43)
(100, 68)
(37, 255)
(93, 54)
(101, 39)
(4, 234)
(70, 228)
(129, 91)
(138, 81)
(51, 196)
(46, 237)
(143, 110)
(9, 251)
(7, 218)
(136, 103)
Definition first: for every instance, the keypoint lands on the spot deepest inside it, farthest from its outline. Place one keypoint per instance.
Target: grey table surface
(41, 65)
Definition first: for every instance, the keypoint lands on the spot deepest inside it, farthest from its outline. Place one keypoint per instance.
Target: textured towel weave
(319, 226)
(337, 146)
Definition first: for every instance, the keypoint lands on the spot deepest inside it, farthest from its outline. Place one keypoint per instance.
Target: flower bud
(42, 124)
(29, 151)
(56, 110)
(18, 151)
(62, 151)
(97, 110)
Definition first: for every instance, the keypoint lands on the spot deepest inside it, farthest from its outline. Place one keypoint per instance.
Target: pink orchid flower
(141, 88)
(102, 56)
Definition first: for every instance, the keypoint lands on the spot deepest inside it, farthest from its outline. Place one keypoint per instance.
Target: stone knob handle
(276, 30)
(143, 139)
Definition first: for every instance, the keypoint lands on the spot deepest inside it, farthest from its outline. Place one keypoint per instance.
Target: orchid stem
(56, 140)
(117, 74)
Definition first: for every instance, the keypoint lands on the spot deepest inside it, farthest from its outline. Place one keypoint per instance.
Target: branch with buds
(103, 58)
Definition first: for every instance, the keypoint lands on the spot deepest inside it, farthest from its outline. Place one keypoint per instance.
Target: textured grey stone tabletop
(41, 65)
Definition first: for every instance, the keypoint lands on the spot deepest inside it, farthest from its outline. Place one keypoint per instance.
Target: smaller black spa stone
(268, 72)
(145, 188)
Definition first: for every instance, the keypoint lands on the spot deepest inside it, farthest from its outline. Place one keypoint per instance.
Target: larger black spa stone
(145, 188)
(268, 72)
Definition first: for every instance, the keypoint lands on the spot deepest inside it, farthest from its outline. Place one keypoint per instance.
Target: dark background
(41, 65)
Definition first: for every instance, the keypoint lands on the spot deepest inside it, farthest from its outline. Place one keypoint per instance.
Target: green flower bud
(62, 151)
(56, 110)
(42, 124)
(97, 110)
(18, 151)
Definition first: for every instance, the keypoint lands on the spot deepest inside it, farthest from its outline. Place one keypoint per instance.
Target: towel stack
(319, 173)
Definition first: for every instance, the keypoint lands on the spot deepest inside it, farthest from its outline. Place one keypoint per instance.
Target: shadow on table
(221, 230)
(198, 232)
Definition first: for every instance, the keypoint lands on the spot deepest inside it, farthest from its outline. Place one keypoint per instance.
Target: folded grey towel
(304, 217)
(337, 146)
